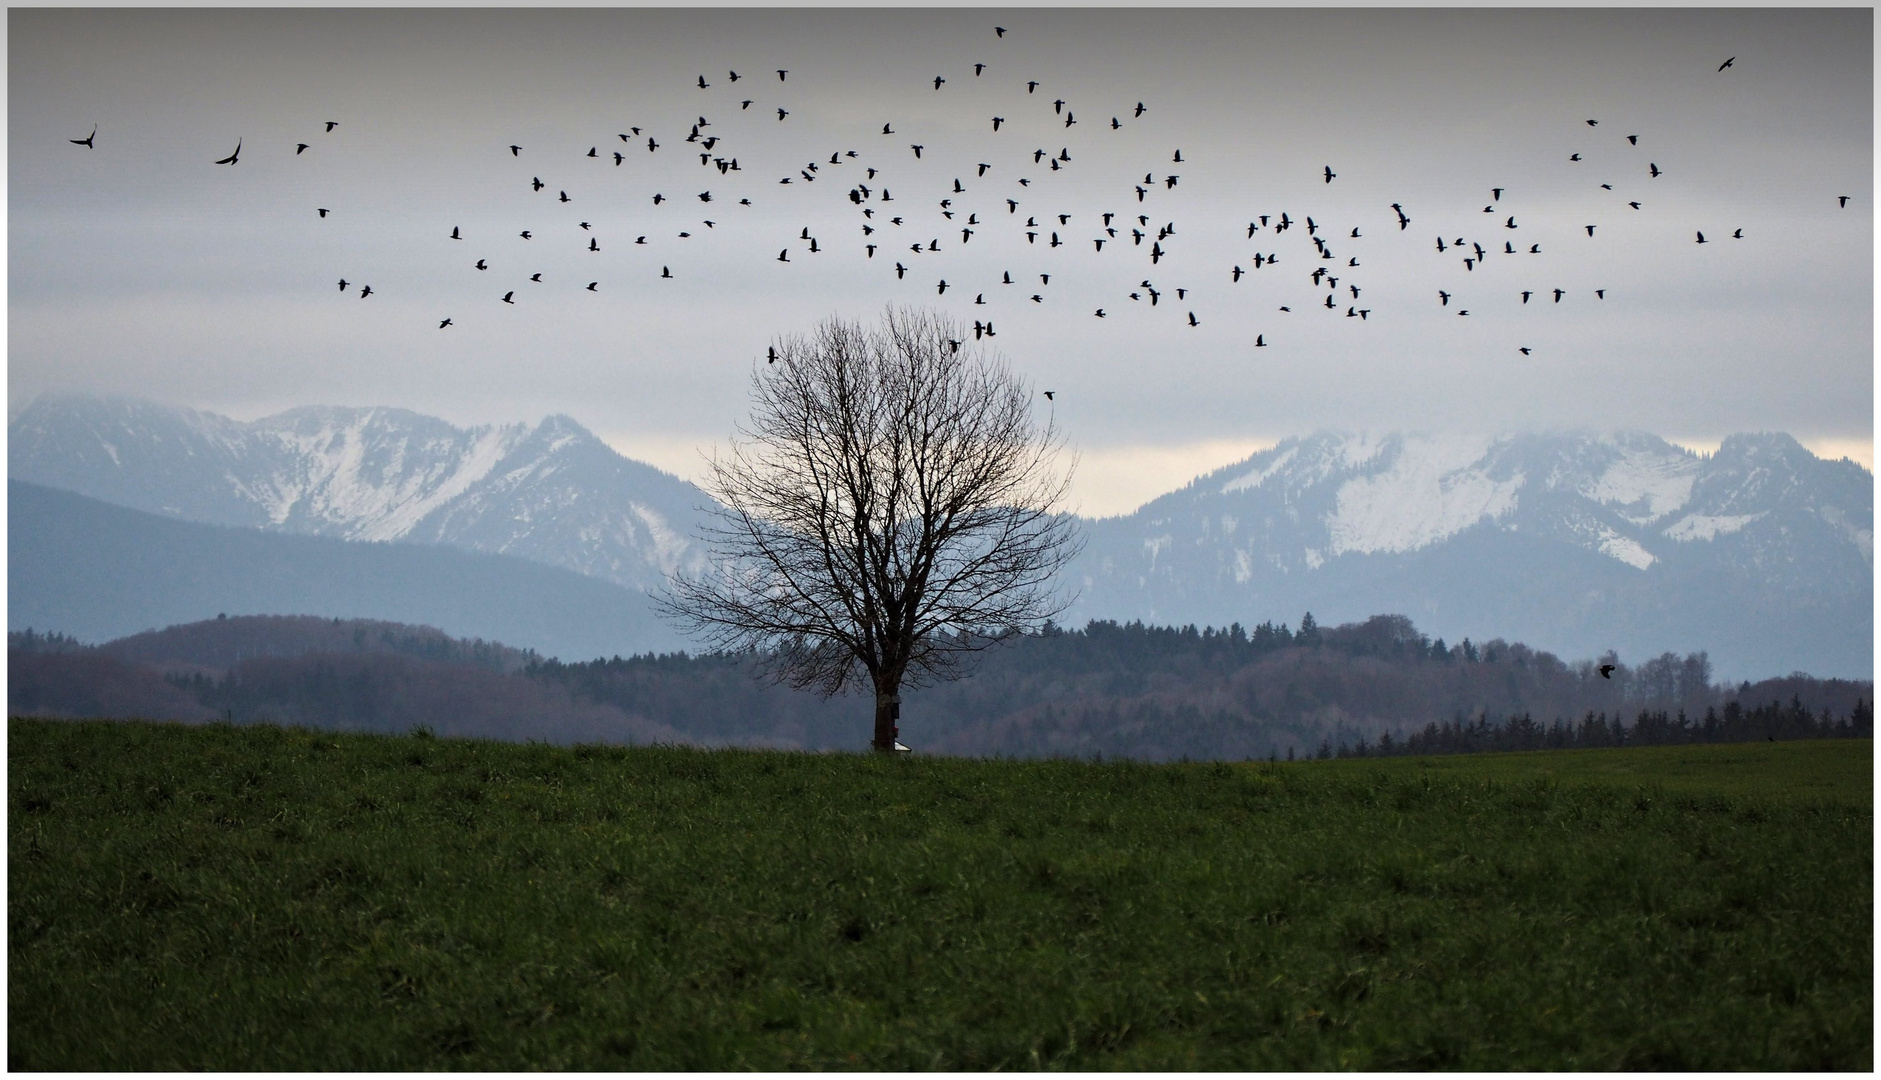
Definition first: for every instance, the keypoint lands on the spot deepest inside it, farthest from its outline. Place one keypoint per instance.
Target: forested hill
(1112, 689)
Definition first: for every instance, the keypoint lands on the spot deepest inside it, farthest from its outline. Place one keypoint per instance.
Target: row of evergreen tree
(1773, 722)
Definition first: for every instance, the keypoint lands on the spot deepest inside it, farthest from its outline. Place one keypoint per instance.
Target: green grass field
(253, 898)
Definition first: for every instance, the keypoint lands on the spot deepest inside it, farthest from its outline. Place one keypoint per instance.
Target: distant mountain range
(549, 492)
(1760, 554)
(97, 572)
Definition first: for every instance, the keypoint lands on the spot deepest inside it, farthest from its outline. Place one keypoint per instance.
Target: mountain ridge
(1577, 541)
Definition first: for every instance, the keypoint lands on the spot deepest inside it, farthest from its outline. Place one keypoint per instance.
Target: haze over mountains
(1761, 553)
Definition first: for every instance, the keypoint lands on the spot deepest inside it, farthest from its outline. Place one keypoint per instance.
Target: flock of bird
(992, 197)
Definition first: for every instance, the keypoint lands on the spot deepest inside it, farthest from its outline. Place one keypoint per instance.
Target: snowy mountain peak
(550, 491)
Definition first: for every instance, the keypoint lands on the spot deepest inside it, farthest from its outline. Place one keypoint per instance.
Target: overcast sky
(137, 266)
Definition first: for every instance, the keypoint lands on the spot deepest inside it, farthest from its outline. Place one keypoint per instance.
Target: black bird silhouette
(1727, 63)
(618, 158)
(937, 82)
(1600, 294)
(1526, 293)
(1606, 671)
(1524, 350)
(86, 141)
(770, 355)
(1330, 174)
(1634, 139)
(525, 234)
(509, 297)
(1260, 341)
(1844, 199)
(231, 159)
(666, 271)
(455, 234)
(1031, 86)
(536, 184)
(1193, 321)
(900, 271)
(1655, 168)
(1140, 109)
(594, 151)
(1558, 294)
(1050, 394)
(781, 72)
(565, 197)
(1590, 230)
(1000, 31)
(734, 76)
(331, 124)
(1593, 123)
(702, 83)
(917, 149)
(1634, 205)
(536, 278)
(299, 147)
(594, 286)
(323, 211)
(943, 287)
(1701, 239)
(1536, 249)
(365, 291)
(1444, 297)
(481, 265)
(1574, 157)
(444, 324)
(342, 284)
(1738, 235)
(781, 113)
(595, 245)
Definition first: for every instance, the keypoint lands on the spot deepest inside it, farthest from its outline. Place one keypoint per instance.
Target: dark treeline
(1110, 689)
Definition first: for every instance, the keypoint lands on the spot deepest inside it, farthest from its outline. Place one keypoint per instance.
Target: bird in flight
(455, 234)
(937, 82)
(1260, 341)
(537, 278)
(86, 141)
(365, 291)
(1606, 671)
(1701, 239)
(444, 324)
(1050, 394)
(299, 147)
(342, 284)
(508, 297)
(1655, 168)
(231, 159)
(1844, 199)
(1590, 230)
(999, 31)
(1330, 174)
(331, 124)
(594, 286)
(1727, 63)
(516, 151)
(481, 265)
(781, 72)
(1634, 139)
(1524, 350)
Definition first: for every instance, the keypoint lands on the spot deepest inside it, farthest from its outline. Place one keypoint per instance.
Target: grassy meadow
(254, 898)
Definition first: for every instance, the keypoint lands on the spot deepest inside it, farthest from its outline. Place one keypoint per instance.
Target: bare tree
(889, 508)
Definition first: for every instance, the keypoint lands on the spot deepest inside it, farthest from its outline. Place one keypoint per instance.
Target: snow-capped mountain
(1760, 553)
(551, 492)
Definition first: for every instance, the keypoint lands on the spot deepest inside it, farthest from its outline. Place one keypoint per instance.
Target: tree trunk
(887, 713)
